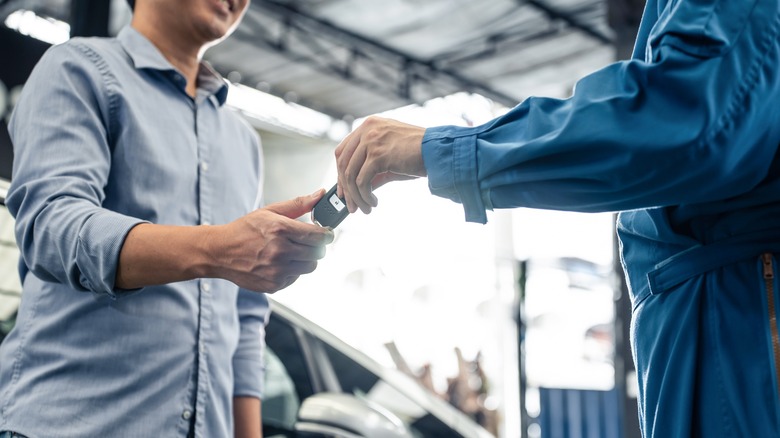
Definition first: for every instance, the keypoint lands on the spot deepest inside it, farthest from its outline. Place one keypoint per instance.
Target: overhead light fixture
(45, 29)
(277, 112)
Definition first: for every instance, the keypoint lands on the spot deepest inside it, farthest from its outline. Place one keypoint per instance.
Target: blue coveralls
(683, 140)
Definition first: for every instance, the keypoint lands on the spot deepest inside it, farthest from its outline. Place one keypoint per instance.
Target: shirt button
(205, 223)
(206, 287)
(186, 414)
(202, 348)
(204, 166)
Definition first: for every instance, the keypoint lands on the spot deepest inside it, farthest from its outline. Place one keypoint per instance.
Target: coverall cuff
(450, 158)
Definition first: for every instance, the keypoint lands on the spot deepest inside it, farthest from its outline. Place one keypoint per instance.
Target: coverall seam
(747, 85)
(716, 12)
(714, 331)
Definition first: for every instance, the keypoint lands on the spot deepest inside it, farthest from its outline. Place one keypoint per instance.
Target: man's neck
(182, 53)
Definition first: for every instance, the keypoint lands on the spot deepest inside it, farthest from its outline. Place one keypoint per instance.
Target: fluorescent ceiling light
(45, 29)
(275, 111)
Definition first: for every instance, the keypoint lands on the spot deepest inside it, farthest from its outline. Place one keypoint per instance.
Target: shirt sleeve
(62, 161)
(253, 313)
(694, 121)
(248, 360)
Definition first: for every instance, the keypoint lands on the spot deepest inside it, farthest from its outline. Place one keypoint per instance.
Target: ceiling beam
(379, 67)
(570, 19)
(370, 63)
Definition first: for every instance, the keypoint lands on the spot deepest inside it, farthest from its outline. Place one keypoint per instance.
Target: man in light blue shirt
(134, 194)
(683, 139)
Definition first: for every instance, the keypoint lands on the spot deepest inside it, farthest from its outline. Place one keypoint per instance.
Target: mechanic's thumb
(296, 207)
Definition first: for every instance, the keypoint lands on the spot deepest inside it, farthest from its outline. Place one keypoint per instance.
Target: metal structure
(395, 74)
(338, 58)
(350, 59)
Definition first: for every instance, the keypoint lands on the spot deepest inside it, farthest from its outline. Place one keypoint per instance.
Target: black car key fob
(330, 210)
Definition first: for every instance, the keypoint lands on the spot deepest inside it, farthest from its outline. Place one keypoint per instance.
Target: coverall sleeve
(696, 120)
(60, 132)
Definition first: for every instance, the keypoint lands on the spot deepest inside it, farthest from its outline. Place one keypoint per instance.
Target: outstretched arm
(694, 121)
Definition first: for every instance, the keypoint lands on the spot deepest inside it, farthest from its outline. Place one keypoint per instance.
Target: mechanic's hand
(378, 151)
(268, 249)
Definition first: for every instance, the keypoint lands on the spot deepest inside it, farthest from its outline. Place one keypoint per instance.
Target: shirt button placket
(205, 287)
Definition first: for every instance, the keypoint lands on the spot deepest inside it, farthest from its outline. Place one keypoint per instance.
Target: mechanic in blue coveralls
(683, 140)
(134, 193)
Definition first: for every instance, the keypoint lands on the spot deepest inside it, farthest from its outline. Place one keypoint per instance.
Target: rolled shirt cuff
(99, 244)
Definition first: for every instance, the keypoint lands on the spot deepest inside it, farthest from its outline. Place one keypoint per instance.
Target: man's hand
(264, 251)
(377, 152)
(267, 250)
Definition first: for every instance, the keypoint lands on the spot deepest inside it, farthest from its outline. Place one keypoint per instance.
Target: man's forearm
(264, 250)
(247, 417)
(160, 254)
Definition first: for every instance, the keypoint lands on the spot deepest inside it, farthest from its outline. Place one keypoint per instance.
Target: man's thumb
(296, 207)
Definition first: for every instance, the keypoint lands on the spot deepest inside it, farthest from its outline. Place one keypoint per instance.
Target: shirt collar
(145, 55)
(211, 81)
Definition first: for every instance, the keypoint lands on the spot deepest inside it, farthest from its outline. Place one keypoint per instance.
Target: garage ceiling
(351, 58)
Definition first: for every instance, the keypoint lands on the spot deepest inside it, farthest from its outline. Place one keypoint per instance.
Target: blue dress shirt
(683, 139)
(105, 138)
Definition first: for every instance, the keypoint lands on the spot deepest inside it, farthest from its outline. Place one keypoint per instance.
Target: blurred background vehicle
(307, 364)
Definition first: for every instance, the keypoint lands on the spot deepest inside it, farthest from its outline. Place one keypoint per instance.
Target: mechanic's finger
(344, 141)
(354, 169)
(365, 177)
(344, 152)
